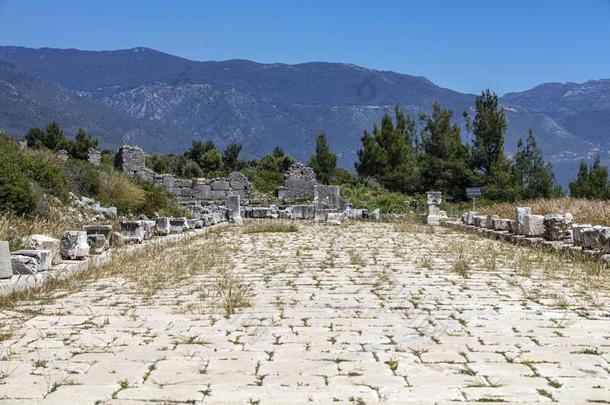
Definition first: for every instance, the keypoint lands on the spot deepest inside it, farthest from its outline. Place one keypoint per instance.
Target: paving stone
(346, 313)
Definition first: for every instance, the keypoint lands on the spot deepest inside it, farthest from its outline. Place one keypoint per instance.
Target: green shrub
(157, 200)
(372, 198)
(84, 177)
(20, 169)
(15, 190)
(119, 191)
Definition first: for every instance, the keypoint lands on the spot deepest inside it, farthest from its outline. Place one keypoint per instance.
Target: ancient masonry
(555, 232)
(299, 183)
(132, 160)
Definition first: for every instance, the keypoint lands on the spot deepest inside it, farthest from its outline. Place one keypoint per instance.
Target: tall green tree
(488, 128)
(324, 161)
(83, 141)
(197, 150)
(389, 155)
(534, 175)
(493, 170)
(445, 160)
(591, 182)
(54, 136)
(230, 156)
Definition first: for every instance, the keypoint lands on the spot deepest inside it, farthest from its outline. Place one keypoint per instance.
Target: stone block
(149, 228)
(202, 191)
(489, 221)
(168, 181)
(116, 239)
(184, 183)
(285, 213)
(299, 183)
(178, 225)
(375, 215)
(500, 224)
(97, 242)
(239, 182)
(218, 194)
(533, 225)
(259, 212)
(326, 197)
(43, 242)
(334, 218)
(24, 265)
(130, 159)
(512, 226)
(520, 213)
(221, 185)
(132, 231)
(468, 217)
(197, 224)
(480, 221)
(42, 256)
(435, 215)
(186, 192)
(6, 268)
(354, 213)
(577, 233)
(274, 212)
(234, 209)
(73, 245)
(162, 226)
(303, 211)
(94, 229)
(557, 226)
(108, 212)
(94, 156)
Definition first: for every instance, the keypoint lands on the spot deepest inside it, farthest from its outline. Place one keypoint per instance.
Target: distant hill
(162, 102)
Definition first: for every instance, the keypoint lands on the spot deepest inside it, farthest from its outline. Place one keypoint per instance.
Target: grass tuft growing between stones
(270, 226)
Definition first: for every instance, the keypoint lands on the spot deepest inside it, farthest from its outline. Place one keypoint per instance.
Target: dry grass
(149, 269)
(270, 226)
(13, 227)
(595, 212)
(410, 224)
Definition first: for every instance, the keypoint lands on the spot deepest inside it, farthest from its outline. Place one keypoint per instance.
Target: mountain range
(163, 102)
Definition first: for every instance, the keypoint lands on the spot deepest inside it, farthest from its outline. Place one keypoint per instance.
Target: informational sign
(473, 192)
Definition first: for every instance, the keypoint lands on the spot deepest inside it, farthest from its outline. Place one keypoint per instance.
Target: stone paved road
(359, 313)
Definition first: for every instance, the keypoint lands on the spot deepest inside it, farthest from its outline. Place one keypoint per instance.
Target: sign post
(473, 192)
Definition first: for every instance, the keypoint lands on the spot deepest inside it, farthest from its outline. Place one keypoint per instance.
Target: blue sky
(465, 45)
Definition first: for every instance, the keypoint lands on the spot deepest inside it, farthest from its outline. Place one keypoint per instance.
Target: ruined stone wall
(132, 161)
(299, 183)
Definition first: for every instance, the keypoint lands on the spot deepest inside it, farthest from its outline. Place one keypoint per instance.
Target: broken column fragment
(234, 209)
(73, 245)
(6, 268)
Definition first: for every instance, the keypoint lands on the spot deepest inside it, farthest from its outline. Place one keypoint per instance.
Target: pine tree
(371, 157)
(54, 137)
(533, 174)
(231, 156)
(488, 127)
(83, 141)
(591, 182)
(388, 154)
(323, 162)
(445, 159)
(488, 160)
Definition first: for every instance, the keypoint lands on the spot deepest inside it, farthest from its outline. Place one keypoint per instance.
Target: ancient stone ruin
(299, 183)
(6, 268)
(433, 201)
(554, 231)
(94, 156)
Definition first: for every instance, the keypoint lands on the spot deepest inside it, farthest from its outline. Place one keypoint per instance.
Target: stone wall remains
(299, 183)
